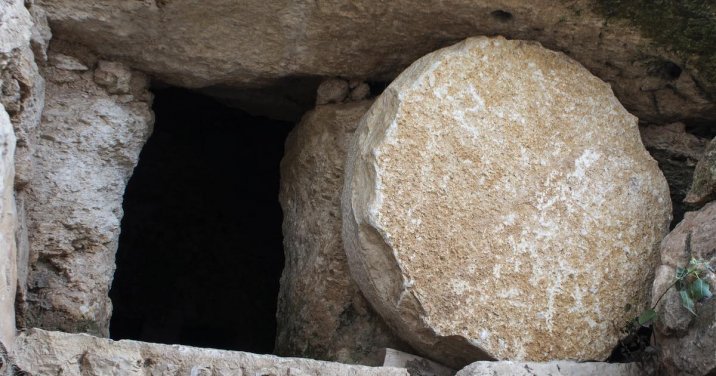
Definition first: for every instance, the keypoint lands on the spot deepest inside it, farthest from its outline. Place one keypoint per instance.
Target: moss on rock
(686, 27)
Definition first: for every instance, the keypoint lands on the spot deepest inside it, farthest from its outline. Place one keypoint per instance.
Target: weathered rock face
(703, 187)
(686, 341)
(51, 353)
(8, 222)
(209, 43)
(321, 312)
(87, 146)
(563, 368)
(499, 203)
(23, 88)
(21, 93)
(677, 152)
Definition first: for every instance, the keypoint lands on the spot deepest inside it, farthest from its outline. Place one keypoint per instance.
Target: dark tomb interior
(200, 253)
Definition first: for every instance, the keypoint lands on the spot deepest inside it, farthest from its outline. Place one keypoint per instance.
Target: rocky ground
(451, 195)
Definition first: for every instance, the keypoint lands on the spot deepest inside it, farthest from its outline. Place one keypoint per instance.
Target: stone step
(41, 352)
(556, 368)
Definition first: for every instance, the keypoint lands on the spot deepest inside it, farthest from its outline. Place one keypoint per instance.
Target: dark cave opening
(200, 253)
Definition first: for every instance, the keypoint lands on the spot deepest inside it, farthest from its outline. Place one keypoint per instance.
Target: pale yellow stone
(499, 203)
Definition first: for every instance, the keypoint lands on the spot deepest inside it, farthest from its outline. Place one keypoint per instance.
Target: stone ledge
(41, 352)
(556, 368)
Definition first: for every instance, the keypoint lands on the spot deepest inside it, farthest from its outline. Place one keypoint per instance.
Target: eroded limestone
(51, 353)
(257, 44)
(85, 150)
(21, 92)
(499, 203)
(686, 340)
(321, 312)
(703, 187)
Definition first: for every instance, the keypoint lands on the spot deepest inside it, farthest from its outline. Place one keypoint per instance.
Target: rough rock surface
(8, 222)
(87, 146)
(332, 91)
(693, 353)
(703, 187)
(321, 313)
(41, 352)
(562, 368)
(258, 43)
(414, 364)
(21, 93)
(687, 341)
(499, 203)
(677, 152)
(16, 26)
(23, 88)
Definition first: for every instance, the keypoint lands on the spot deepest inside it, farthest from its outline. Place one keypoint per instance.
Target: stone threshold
(41, 352)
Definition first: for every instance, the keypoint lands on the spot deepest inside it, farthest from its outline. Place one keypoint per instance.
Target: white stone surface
(15, 25)
(20, 88)
(54, 353)
(8, 222)
(563, 368)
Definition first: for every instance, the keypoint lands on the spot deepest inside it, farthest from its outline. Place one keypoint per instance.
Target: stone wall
(95, 120)
(21, 96)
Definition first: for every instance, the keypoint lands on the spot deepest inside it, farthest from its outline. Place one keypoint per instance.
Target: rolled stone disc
(499, 204)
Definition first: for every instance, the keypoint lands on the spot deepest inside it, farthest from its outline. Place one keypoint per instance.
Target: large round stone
(499, 203)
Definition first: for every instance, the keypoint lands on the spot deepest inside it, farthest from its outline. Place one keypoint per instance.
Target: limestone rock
(562, 368)
(15, 26)
(21, 93)
(258, 43)
(21, 87)
(113, 76)
(8, 221)
(52, 353)
(673, 140)
(686, 341)
(360, 92)
(703, 187)
(677, 152)
(88, 144)
(25, 123)
(65, 62)
(41, 33)
(499, 203)
(333, 90)
(693, 353)
(414, 364)
(321, 313)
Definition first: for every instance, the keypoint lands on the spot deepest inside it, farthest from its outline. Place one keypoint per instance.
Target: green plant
(691, 287)
(637, 344)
